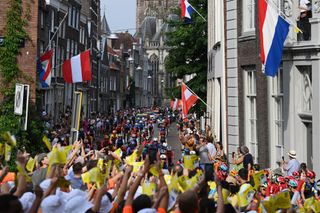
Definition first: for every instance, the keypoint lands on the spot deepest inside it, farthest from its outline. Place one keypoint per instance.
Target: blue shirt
(292, 166)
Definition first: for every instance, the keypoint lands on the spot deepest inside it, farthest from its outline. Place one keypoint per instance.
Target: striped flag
(188, 99)
(273, 33)
(77, 69)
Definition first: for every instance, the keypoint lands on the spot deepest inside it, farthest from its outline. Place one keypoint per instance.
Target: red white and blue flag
(44, 68)
(186, 9)
(273, 33)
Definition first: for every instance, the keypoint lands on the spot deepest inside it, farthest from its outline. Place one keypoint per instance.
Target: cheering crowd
(124, 163)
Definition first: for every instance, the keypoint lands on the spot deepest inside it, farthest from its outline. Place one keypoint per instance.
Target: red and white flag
(175, 104)
(77, 69)
(188, 99)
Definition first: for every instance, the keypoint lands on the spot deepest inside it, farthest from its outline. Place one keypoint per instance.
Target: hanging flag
(77, 69)
(175, 104)
(273, 33)
(44, 68)
(186, 9)
(46, 141)
(188, 99)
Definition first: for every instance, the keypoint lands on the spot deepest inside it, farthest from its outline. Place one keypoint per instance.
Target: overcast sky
(120, 14)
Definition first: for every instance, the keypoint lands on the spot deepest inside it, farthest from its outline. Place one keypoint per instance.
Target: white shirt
(211, 149)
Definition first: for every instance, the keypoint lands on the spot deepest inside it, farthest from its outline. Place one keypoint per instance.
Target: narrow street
(172, 140)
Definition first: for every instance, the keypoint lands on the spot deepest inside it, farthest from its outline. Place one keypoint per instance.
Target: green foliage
(188, 53)
(15, 34)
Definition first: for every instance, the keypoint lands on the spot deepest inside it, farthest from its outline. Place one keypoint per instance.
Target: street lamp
(98, 81)
(161, 92)
(149, 93)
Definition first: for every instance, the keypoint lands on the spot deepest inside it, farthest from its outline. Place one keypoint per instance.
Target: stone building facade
(150, 19)
(269, 115)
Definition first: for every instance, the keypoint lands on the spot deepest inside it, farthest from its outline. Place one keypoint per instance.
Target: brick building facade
(27, 59)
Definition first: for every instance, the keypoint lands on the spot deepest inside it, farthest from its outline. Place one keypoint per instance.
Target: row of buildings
(269, 115)
(127, 70)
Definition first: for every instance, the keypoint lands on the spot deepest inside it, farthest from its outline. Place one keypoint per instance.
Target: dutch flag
(186, 9)
(44, 68)
(273, 33)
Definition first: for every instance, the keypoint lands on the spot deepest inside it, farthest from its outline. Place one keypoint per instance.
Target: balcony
(308, 23)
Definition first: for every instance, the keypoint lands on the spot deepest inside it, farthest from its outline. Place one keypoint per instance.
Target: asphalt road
(172, 140)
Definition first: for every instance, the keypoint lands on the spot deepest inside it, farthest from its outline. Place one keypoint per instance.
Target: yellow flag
(191, 182)
(57, 156)
(93, 176)
(183, 181)
(7, 155)
(245, 194)
(46, 142)
(268, 205)
(259, 179)
(282, 200)
(30, 164)
(1, 149)
(132, 158)
(108, 167)
(100, 163)
(174, 184)
(137, 166)
(66, 149)
(148, 188)
(168, 179)
(153, 170)
(297, 30)
(212, 185)
(10, 139)
(23, 172)
(118, 152)
(189, 161)
(311, 204)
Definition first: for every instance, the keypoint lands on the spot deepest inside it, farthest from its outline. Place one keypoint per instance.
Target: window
(62, 59)
(75, 48)
(248, 13)
(68, 49)
(251, 111)
(72, 48)
(277, 108)
(306, 83)
(53, 59)
(82, 35)
(41, 19)
(62, 30)
(69, 16)
(52, 21)
(41, 47)
(73, 17)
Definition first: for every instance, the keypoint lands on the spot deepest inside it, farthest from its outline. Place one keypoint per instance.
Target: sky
(120, 14)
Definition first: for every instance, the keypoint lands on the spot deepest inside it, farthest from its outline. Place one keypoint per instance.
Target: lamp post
(161, 92)
(138, 84)
(98, 81)
(149, 90)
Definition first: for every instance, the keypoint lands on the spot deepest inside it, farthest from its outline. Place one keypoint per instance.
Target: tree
(188, 52)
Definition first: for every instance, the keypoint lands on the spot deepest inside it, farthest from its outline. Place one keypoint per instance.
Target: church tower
(156, 8)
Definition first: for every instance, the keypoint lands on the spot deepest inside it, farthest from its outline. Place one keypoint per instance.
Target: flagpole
(49, 43)
(198, 12)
